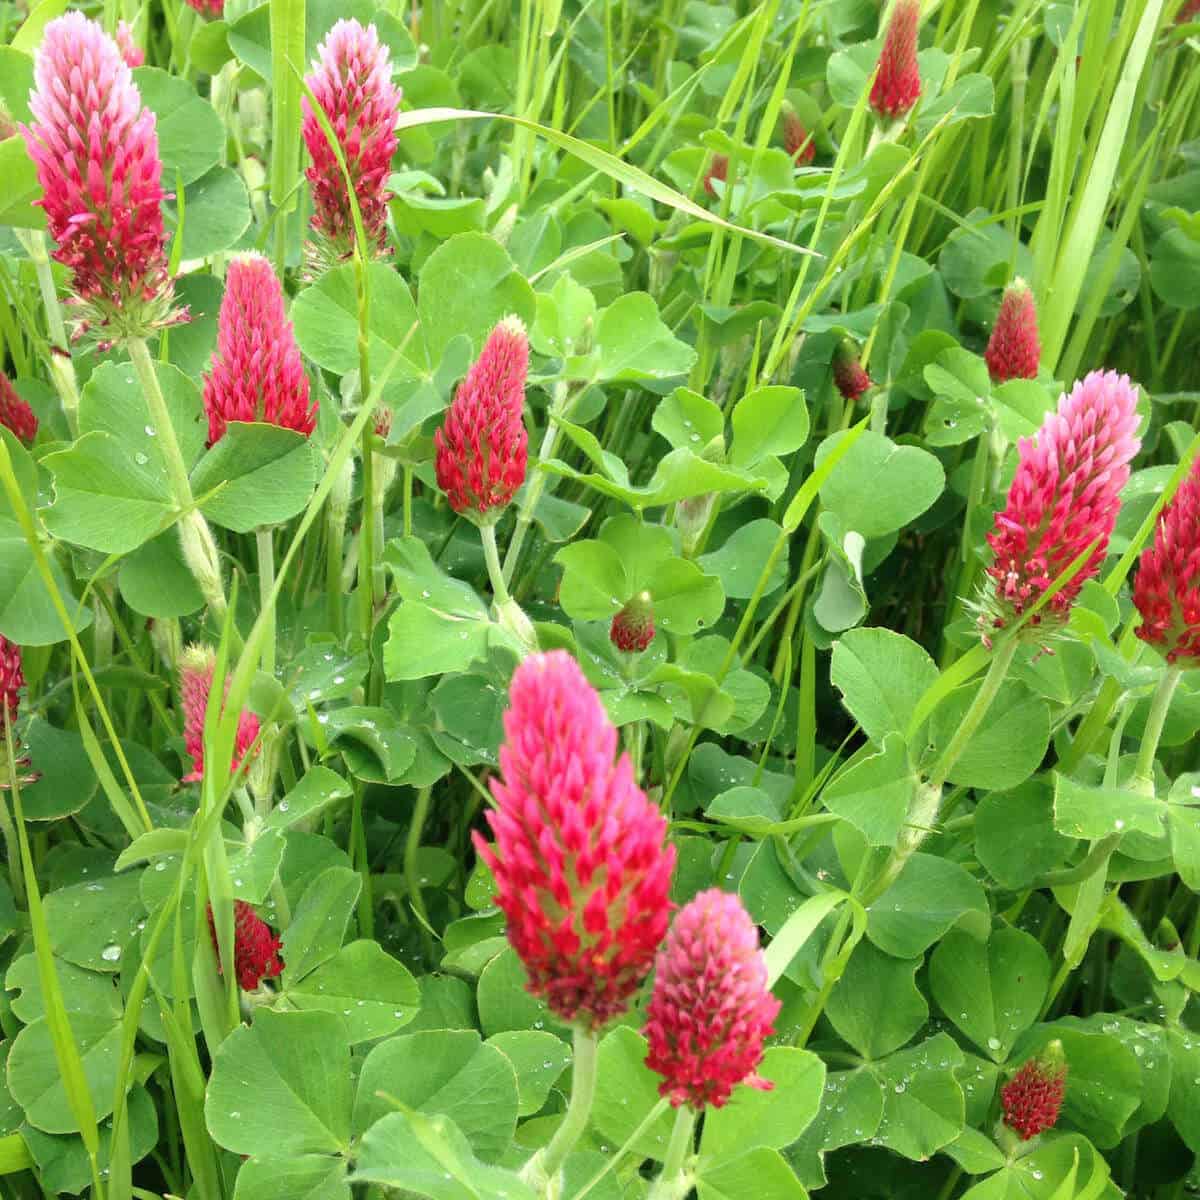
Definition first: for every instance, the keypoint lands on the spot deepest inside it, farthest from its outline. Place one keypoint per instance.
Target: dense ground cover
(600, 600)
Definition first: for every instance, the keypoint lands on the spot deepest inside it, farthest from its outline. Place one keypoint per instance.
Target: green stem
(668, 1186)
(366, 541)
(412, 875)
(583, 1092)
(61, 366)
(408, 500)
(487, 535)
(265, 544)
(181, 488)
(1143, 773)
(199, 549)
(992, 681)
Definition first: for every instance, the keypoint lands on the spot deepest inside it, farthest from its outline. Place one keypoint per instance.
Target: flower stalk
(542, 1171)
(1160, 704)
(673, 1183)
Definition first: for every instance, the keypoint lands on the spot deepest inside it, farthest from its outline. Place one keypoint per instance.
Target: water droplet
(284, 806)
(151, 431)
(1118, 824)
(425, 594)
(899, 1089)
(141, 459)
(111, 952)
(339, 680)
(160, 865)
(694, 438)
(993, 1043)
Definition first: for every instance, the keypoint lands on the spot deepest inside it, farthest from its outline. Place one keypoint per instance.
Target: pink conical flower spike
(582, 869)
(96, 153)
(482, 446)
(12, 679)
(15, 414)
(1064, 497)
(796, 139)
(1013, 350)
(897, 85)
(849, 375)
(255, 946)
(212, 9)
(352, 84)
(256, 373)
(711, 1007)
(718, 168)
(632, 629)
(196, 667)
(131, 52)
(1167, 588)
(1033, 1098)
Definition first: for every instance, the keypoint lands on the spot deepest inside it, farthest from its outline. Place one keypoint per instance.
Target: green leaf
(1087, 812)
(504, 1004)
(467, 285)
(93, 924)
(265, 474)
(930, 897)
(375, 993)
(27, 613)
(441, 626)
(106, 498)
(626, 1091)
(282, 1086)
(66, 780)
(1007, 747)
(880, 487)
(923, 1108)
(36, 1084)
(325, 319)
(775, 1118)
(431, 1157)
(538, 1060)
(768, 421)
(1015, 837)
(21, 186)
(739, 563)
(686, 418)
(876, 1006)
(62, 1159)
(155, 580)
(443, 1072)
(594, 583)
(992, 991)
(190, 134)
(318, 789)
(874, 795)
(632, 343)
(319, 923)
(216, 213)
(760, 1172)
(851, 1109)
(304, 1177)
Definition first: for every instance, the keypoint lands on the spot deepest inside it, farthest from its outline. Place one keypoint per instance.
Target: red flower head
(96, 153)
(711, 1007)
(1167, 588)
(1189, 12)
(796, 139)
(256, 948)
(12, 680)
(131, 52)
(196, 666)
(1065, 495)
(15, 414)
(718, 168)
(1033, 1097)
(353, 85)
(1013, 349)
(632, 628)
(482, 445)
(256, 372)
(849, 374)
(213, 9)
(582, 869)
(897, 85)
